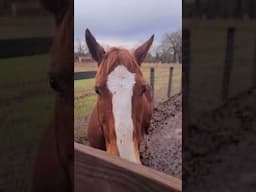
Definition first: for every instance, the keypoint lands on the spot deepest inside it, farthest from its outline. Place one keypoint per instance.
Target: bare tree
(170, 49)
(81, 48)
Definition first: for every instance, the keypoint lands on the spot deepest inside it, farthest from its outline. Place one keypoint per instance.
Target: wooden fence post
(254, 67)
(228, 63)
(152, 79)
(170, 82)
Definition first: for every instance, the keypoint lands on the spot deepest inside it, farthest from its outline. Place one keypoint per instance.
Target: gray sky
(126, 22)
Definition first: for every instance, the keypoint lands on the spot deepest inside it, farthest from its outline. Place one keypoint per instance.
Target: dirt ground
(16, 168)
(162, 148)
(222, 149)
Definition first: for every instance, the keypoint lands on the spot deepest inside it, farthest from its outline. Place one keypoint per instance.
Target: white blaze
(120, 83)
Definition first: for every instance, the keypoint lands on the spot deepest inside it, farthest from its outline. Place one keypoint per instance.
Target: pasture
(26, 103)
(209, 57)
(85, 97)
(23, 86)
(24, 82)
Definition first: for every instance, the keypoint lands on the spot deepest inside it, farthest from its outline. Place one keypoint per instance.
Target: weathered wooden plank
(95, 171)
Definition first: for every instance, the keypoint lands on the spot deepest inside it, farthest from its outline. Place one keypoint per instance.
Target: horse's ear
(141, 52)
(56, 7)
(97, 52)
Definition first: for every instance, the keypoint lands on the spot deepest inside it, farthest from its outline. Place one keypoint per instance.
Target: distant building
(21, 8)
(83, 58)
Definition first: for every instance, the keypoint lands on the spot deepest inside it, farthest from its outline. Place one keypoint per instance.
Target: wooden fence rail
(20, 47)
(95, 171)
(84, 75)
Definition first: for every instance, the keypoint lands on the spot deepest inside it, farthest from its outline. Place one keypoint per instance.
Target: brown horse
(123, 110)
(53, 169)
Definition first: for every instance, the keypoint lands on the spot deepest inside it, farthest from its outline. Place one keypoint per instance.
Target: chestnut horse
(53, 168)
(124, 104)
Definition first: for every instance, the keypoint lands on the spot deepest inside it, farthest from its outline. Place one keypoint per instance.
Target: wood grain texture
(96, 171)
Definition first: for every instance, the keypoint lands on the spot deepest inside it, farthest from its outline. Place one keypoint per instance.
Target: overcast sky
(126, 22)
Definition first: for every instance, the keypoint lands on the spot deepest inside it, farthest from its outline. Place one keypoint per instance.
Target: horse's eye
(143, 89)
(97, 90)
(55, 84)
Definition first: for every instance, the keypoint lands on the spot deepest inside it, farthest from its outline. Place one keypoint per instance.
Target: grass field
(24, 94)
(208, 58)
(85, 97)
(26, 104)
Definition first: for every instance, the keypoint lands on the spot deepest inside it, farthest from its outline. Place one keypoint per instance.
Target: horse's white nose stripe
(120, 83)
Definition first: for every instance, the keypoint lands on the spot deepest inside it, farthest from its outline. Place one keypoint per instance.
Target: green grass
(23, 78)
(26, 103)
(83, 86)
(208, 58)
(22, 122)
(25, 96)
(25, 69)
(84, 106)
(82, 110)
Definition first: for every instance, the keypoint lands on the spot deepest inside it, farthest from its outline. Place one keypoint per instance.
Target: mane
(118, 56)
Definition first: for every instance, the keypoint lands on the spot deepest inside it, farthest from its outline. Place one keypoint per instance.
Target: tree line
(220, 8)
(168, 51)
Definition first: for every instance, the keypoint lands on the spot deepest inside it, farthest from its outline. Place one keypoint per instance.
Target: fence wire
(165, 83)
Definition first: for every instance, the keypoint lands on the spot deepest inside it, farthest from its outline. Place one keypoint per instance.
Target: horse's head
(61, 65)
(61, 69)
(123, 96)
(54, 163)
